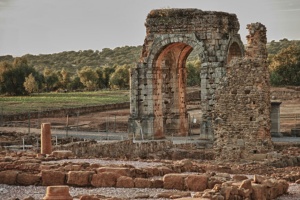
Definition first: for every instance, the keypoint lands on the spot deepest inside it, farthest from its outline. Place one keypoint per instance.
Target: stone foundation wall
(120, 149)
(127, 149)
(205, 185)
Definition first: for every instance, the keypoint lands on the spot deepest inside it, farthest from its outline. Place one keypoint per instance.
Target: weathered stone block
(121, 171)
(174, 181)
(28, 179)
(72, 167)
(50, 178)
(142, 183)
(79, 178)
(157, 183)
(196, 182)
(259, 192)
(8, 177)
(104, 179)
(164, 170)
(125, 182)
(29, 166)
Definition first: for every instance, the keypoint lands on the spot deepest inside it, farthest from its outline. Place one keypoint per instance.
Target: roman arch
(158, 83)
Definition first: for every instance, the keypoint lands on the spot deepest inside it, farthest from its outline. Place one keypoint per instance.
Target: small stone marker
(46, 146)
(58, 192)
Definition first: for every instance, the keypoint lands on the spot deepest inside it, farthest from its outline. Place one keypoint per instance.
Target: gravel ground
(8, 192)
(293, 193)
(136, 164)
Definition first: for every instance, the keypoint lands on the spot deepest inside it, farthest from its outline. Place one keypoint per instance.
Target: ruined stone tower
(242, 102)
(158, 83)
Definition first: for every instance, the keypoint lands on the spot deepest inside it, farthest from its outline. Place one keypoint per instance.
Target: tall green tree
(104, 74)
(120, 78)
(13, 77)
(51, 79)
(285, 67)
(64, 78)
(75, 83)
(30, 84)
(88, 77)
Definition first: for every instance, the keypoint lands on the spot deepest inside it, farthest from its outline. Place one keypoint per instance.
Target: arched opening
(169, 90)
(234, 52)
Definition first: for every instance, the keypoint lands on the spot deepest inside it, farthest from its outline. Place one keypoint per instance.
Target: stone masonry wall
(162, 149)
(158, 83)
(242, 109)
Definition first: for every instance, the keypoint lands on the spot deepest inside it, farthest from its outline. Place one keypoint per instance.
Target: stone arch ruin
(158, 83)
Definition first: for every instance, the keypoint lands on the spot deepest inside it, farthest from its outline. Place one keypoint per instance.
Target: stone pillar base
(60, 192)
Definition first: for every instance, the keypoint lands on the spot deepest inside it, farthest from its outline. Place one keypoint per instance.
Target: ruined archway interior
(234, 52)
(169, 90)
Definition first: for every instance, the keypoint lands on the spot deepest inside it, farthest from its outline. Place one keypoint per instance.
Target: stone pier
(275, 119)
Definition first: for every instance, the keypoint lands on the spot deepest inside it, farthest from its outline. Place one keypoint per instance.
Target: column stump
(46, 145)
(60, 192)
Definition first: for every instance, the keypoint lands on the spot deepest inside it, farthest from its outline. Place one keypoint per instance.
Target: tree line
(284, 62)
(110, 68)
(19, 78)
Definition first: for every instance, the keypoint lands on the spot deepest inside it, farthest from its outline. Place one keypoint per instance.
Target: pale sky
(52, 26)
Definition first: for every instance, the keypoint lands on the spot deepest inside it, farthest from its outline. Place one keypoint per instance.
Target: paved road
(99, 136)
(71, 133)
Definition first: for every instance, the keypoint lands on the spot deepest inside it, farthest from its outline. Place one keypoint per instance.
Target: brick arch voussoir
(161, 42)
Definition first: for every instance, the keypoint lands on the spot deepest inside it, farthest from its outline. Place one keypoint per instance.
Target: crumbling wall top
(189, 20)
(182, 13)
(256, 41)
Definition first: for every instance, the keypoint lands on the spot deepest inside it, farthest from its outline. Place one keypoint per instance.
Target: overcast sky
(52, 26)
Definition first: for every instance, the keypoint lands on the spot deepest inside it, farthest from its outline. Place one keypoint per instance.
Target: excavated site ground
(280, 164)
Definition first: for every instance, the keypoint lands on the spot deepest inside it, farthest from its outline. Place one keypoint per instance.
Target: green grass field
(45, 101)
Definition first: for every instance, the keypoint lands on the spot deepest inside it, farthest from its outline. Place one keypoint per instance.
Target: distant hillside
(72, 60)
(275, 47)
